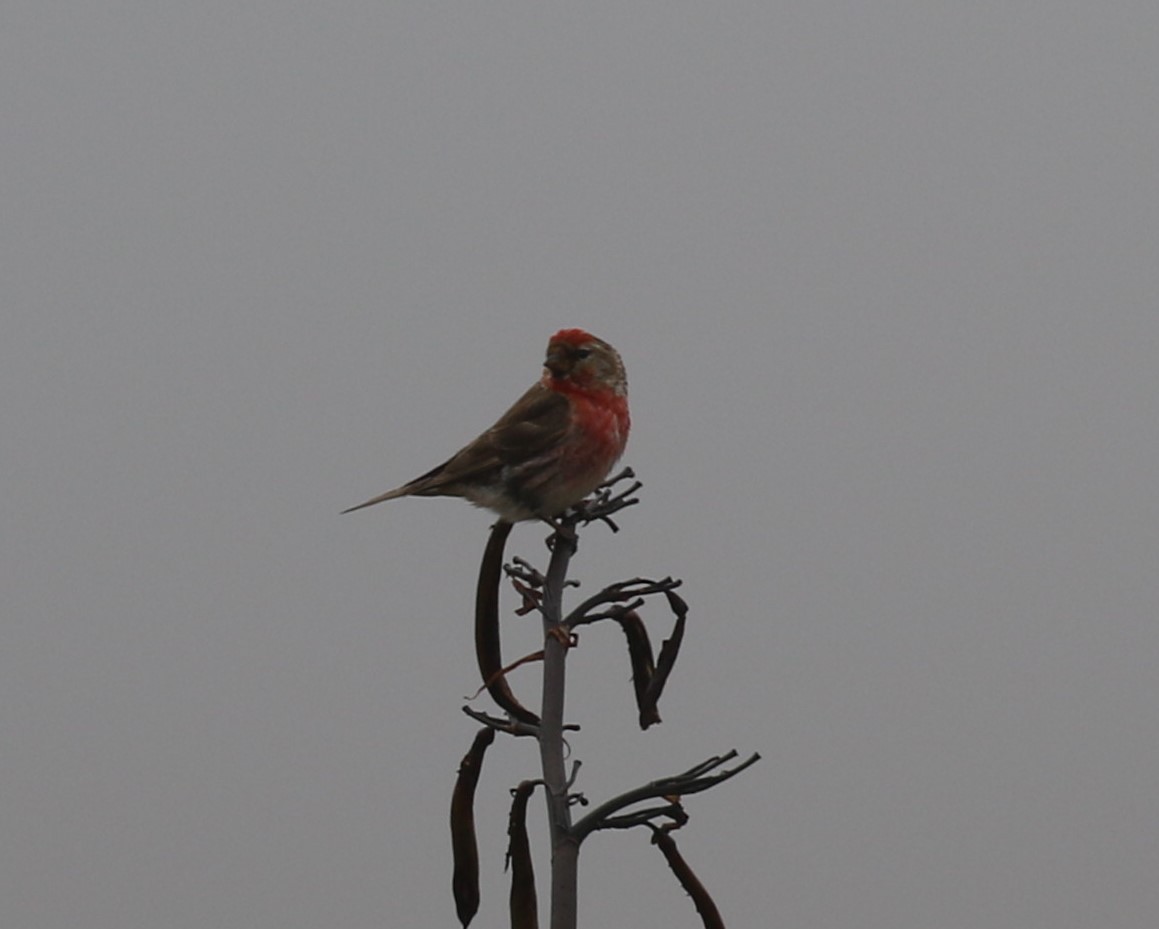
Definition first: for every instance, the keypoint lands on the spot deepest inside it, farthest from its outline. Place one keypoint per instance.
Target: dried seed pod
(640, 655)
(465, 851)
(523, 902)
(487, 649)
(705, 906)
(669, 649)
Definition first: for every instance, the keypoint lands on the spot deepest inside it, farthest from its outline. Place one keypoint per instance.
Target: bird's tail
(381, 498)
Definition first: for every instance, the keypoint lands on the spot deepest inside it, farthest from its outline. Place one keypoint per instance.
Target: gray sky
(884, 279)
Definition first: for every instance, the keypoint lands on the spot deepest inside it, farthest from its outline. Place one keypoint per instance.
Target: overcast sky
(884, 277)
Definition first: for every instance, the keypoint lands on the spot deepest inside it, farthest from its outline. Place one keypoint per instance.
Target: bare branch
(575, 766)
(692, 781)
(620, 593)
(564, 850)
(528, 583)
(614, 612)
(510, 726)
(603, 504)
(625, 474)
(714, 762)
(673, 811)
(523, 570)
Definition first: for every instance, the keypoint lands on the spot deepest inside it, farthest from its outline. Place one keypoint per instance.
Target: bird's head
(578, 359)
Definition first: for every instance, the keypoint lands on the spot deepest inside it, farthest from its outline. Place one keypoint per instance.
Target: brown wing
(535, 423)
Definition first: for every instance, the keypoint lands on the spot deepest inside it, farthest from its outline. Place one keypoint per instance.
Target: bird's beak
(556, 363)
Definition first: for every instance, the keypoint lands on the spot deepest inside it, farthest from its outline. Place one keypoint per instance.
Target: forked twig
(627, 595)
(692, 781)
(601, 506)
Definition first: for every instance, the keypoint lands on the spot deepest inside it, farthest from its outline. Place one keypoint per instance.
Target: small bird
(554, 446)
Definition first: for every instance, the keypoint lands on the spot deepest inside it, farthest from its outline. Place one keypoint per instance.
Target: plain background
(884, 278)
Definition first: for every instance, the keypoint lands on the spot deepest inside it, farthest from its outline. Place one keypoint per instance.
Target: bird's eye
(582, 352)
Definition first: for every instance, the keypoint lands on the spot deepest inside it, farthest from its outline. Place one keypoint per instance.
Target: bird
(554, 446)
